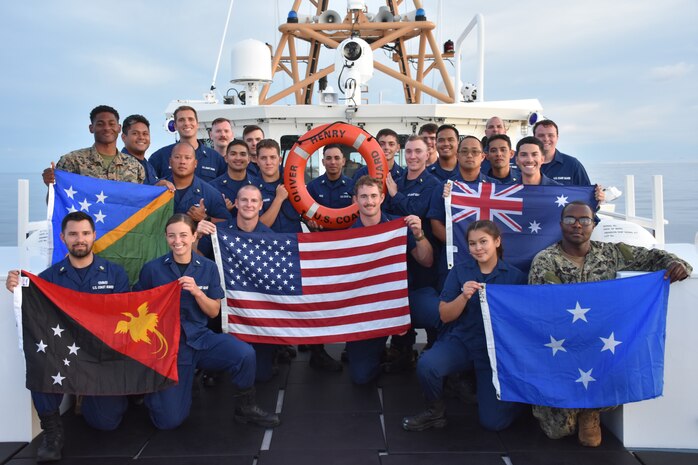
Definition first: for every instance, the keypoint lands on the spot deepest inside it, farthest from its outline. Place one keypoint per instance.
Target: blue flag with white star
(585, 345)
(527, 216)
(129, 218)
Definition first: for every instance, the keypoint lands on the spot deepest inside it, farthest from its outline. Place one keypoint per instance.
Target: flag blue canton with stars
(255, 263)
(586, 345)
(527, 216)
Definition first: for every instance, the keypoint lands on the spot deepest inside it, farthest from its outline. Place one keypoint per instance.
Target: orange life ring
(309, 143)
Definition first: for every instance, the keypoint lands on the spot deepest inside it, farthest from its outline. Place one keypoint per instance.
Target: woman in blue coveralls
(199, 347)
(462, 341)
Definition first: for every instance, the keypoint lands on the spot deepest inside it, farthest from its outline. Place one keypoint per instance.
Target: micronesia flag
(527, 216)
(129, 218)
(312, 288)
(585, 345)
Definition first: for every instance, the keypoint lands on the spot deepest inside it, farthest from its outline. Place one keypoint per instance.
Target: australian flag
(527, 216)
(586, 345)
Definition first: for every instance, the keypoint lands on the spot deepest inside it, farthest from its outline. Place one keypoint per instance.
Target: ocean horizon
(680, 195)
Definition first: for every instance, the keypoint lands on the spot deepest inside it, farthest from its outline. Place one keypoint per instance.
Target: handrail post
(479, 21)
(22, 221)
(658, 207)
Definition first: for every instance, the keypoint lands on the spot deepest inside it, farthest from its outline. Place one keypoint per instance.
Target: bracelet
(421, 237)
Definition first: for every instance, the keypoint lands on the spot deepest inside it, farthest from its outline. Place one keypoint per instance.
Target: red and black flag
(99, 344)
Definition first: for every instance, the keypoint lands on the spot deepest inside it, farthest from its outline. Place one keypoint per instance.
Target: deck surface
(327, 420)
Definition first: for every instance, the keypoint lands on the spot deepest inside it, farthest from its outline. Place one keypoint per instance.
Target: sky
(618, 77)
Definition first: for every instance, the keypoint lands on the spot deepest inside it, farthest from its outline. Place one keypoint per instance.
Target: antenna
(220, 52)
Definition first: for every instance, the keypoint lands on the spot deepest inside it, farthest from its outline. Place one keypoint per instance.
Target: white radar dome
(250, 61)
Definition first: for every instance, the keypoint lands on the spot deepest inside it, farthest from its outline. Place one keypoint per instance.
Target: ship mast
(327, 29)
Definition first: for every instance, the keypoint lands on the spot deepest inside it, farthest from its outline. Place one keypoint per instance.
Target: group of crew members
(238, 185)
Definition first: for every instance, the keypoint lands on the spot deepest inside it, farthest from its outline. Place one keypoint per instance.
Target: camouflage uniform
(88, 162)
(602, 262)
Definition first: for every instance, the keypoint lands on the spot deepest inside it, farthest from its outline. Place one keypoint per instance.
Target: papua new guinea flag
(99, 344)
(129, 218)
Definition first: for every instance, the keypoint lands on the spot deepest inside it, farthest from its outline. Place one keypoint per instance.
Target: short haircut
(367, 181)
(251, 127)
(103, 109)
(530, 140)
(415, 137)
(248, 187)
(268, 144)
(577, 203)
(444, 127)
(470, 137)
(503, 137)
(185, 108)
(133, 119)
(183, 142)
(235, 142)
(77, 216)
(388, 132)
(221, 120)
(182, 218)
(431, 128)
(332, 146)
(546, 123)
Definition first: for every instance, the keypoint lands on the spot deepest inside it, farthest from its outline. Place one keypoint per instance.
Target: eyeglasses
(470, 153)
(583, 221)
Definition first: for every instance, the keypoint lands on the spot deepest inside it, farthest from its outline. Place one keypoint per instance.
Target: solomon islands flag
(129, 218)
(527, 216)
(98, 344)
(584, 345)
(314, 288)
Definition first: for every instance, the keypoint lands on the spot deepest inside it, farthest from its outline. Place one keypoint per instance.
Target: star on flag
(579, 313)
(561, 200)
(585, 378)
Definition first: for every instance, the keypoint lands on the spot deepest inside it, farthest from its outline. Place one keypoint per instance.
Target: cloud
(670, 72)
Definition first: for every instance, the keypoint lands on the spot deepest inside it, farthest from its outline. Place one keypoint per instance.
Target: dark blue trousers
(448, 356)
(171, 406)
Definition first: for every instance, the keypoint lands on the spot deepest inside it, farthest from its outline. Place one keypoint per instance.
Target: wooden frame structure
(377, 34)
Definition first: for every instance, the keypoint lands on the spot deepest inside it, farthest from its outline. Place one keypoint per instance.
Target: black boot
(433, 417)
(52, 443)
(247, 410)
(321, 360)
(399, 359)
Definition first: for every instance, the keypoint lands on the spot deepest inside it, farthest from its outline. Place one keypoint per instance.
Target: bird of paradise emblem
(139, 328)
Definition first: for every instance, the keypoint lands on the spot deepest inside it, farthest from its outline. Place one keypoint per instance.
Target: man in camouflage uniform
(577, 259)
(103, 160)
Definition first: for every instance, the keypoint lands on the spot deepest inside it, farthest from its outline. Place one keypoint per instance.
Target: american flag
(311, 288)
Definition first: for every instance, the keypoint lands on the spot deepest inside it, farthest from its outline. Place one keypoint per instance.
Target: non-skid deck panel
(652, 457)
(326, 419)
(461, 434)
(319, 457)
(83, 441)
(328, 431)
(8, 449)
(574, 457)
(460, 458)
(304, 398)
(525, 435)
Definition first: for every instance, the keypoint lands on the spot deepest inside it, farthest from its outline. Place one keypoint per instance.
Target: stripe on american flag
(316, 287)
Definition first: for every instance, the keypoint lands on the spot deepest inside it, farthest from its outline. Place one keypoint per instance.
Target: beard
(80, 253)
